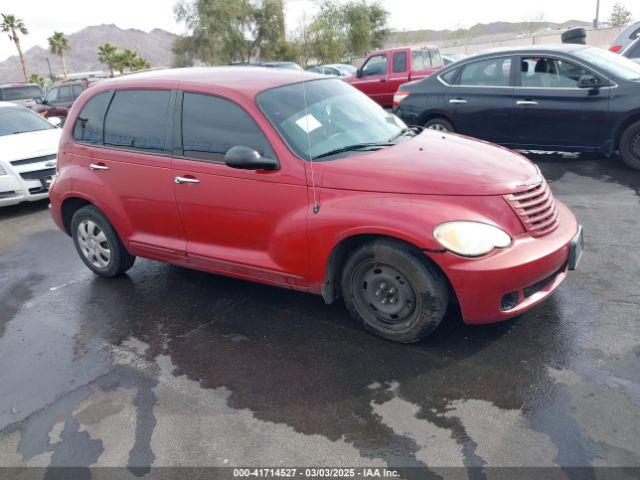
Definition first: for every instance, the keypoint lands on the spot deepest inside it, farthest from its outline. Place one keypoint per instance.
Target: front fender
(410, 218)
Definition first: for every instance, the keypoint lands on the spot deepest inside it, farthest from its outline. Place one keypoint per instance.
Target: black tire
(387, 270)
(630, 146)
(91, 243)
(440, 124)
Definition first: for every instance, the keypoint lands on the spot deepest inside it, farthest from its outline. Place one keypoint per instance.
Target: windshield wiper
(353, 148)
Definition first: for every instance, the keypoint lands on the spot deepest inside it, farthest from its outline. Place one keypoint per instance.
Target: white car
(28, 154)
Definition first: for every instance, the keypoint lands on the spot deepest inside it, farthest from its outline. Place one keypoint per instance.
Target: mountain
(480, 32)
(155, 46)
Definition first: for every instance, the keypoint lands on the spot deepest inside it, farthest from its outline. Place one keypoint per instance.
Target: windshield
(610, 62)
(338, 116)
(20, 120)
(21, 93)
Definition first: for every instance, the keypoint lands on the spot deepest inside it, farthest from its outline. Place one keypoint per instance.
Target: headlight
(2, 171)
(470, 239)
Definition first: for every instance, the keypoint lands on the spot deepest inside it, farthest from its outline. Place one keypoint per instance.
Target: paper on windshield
(308, 123)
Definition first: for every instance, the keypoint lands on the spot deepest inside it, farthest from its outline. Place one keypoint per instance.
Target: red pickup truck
(384, 71)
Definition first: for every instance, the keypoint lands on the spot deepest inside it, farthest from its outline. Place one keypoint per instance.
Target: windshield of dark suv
(338, 118)
(610, 62)
(15, 120)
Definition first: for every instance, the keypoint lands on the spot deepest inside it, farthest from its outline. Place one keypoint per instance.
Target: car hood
(433, 163)
(29, 144)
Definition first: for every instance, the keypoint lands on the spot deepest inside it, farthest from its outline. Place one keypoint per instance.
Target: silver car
(626, 38)
(632, 52)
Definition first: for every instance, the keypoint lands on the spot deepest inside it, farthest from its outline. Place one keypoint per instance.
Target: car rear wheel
(440, 124)
(98, 244)
(393, 291)
(630, 146)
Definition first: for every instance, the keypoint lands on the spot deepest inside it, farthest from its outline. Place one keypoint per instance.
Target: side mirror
(359, 73)
(246, 158)
(40, 101)
(55, 121)
(589, 81)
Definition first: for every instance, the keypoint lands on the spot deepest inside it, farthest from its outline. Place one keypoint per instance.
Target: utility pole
(597, 19)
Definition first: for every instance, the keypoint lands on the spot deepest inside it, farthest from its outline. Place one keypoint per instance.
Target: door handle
(526, 102)
(383, 80)
(98, 166)
(457, 100)
(181, 180)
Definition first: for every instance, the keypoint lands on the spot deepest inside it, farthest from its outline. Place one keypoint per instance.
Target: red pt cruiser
(255, 174)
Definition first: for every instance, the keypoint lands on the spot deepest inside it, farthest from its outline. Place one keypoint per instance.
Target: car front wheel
(630, 146)
(98, 244)
(393, 291)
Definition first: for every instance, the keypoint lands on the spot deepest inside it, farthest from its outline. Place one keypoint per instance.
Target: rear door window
(493, 72)
(88, 126)
(400, 62)
(212, 125)
(137, 120)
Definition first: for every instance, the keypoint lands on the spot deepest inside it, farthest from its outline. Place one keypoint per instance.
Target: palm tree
(129, 58)
(12, 25)
(107, 55)
(58, 43)
(35, 78)
(141, 63)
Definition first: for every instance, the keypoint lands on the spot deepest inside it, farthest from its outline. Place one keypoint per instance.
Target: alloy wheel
(94, 244)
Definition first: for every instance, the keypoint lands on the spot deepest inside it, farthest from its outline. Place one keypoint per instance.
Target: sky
(69, 16)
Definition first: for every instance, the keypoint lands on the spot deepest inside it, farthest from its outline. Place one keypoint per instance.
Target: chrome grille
(536, 207)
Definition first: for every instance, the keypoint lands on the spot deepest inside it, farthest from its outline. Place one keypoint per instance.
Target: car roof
(549, 48)
(246, 80)
(18, 85)
(408, 47)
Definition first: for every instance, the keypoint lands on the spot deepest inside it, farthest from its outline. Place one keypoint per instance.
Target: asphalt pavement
(173, 367)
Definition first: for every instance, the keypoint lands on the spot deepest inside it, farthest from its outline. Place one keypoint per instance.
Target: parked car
(449, 58)
(632, 52)
(626, 37)
(211, 168)
(559, 97)
(336, 70)
(59, 98)
(383, 72)
(24, 94)
(28, 153)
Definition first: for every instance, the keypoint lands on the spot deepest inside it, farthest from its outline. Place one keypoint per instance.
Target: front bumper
(25, 183)
(509, 282)
(14, 190)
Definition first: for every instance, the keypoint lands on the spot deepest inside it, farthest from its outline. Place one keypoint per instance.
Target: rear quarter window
(450, 76)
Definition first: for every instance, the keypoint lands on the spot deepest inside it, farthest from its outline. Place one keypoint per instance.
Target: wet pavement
(172, 367)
